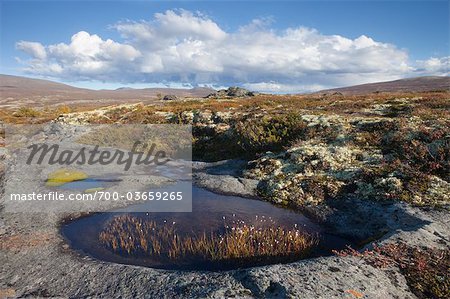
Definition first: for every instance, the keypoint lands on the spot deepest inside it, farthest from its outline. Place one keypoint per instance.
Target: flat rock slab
(37, 262)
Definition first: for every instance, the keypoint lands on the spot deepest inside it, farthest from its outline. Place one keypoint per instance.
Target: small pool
(211, 212)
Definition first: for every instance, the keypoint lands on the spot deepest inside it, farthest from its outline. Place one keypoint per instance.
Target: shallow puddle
(210, 214)
(89, 183)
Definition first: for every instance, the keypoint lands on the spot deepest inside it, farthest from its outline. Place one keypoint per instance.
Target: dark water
(209, 213)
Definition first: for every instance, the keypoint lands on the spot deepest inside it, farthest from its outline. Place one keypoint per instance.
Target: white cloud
(435, 66)
(86, 57)
(186, 24)
(272, 87)
(34, 49)
(181, 46)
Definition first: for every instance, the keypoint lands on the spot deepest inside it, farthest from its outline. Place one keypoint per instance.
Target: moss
(63, 176)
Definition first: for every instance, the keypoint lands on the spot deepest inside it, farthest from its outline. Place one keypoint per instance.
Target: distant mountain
(11, 86)
(431, 83)
(15, 90)
(124, 88)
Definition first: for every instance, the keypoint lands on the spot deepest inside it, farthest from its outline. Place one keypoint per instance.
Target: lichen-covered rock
(308, 173)
(394, 108)
(166, 115)
(418, 189)
(222, 117)
(311, 158)
(438, 191)
(233, 92)
(101, 115)
(263, 167)
(390, 184)
(374, 158)
(298, 190)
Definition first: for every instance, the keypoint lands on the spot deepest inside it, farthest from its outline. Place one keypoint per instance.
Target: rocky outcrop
(232, 92)
(170, 97)
(354, 162)
(31, 243)
(101, 115)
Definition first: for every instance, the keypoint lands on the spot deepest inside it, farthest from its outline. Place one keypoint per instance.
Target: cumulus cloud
(186, 47)
(86, 57)
(435, 66)
(34, 49)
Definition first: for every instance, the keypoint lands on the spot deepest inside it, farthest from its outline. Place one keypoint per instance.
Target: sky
(269, 46)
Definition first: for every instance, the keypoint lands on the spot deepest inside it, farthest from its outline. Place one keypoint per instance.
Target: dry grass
(38, 115)
(134, 236)
(426, 105)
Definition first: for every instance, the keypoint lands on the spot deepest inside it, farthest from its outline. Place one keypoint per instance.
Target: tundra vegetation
(306, 151)
(425, 269)
(382, 147)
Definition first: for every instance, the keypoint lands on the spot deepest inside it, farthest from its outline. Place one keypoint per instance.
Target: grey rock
(170, 97)
(233, 92)
(44, 268)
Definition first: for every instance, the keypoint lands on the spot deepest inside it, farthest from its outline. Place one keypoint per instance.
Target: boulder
(170, 97)
(233, 92)
(239, 92)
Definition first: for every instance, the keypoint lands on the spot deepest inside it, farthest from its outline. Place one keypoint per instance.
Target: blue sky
(401, 39)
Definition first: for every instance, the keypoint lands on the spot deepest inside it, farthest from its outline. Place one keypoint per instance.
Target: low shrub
(426, 150)
(211, 145)
(27, 112)
(269, 133)
(426, 269)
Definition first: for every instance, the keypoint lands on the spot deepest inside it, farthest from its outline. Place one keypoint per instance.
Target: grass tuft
(131, 235)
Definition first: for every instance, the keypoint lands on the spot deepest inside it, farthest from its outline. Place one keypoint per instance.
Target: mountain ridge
(415, 84)
(17, 87)
(14, 86)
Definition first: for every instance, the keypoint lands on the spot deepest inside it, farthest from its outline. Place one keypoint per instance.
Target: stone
(232, 92)
(170, 97)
